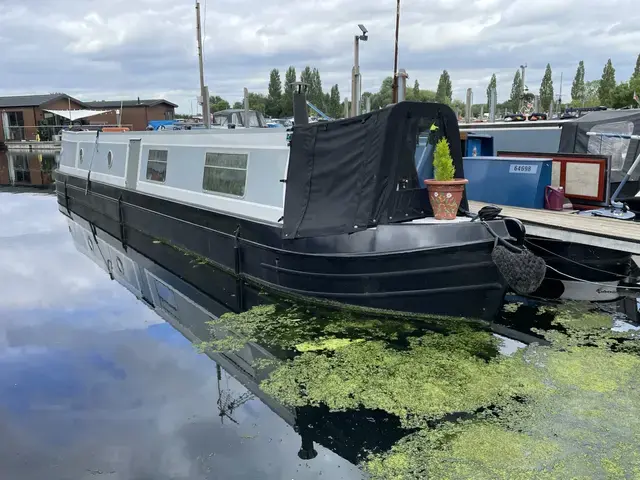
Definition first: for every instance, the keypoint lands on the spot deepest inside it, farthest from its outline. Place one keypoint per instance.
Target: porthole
(119, 266)
(109, 266)
(90, 243)
(109, 160)
(81, 155)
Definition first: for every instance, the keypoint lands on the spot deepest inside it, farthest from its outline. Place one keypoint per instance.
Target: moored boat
(333, 211)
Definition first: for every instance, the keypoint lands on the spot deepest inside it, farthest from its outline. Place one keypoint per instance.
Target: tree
(274, 99)
(416, 90)
(217, 103)
(607, 84)
(421, 95)
(335, 107)
(622, 95)
(546, 89)
(315, 94)
(238, 105)
(287, 99)
(493, 85)
(636, 71)
(590, 98)
(577, 89)
(384, 95)
(257, 101)
(516, 90)
(445, 90)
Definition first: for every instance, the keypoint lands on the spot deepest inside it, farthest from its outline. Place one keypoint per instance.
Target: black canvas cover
(360, 172)
(623, 152)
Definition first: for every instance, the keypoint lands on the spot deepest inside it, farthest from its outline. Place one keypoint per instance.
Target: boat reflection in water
(28, 169)
(188, 309)
(384, 395)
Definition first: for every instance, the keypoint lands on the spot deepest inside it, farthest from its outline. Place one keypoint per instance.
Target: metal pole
(206, 108)
(205, 100)
(560, 96)
(469, 106)
(394, 88)
(245, 120)
(493, 100)
(524, 68)
(355, 75)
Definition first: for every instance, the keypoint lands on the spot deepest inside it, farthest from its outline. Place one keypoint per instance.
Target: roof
(129, 103)
(33, 100)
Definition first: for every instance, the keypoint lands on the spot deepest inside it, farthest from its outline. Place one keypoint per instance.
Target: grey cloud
(97, 49)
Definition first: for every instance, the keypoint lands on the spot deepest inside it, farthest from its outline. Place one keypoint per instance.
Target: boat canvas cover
(352, 174)
(574, 138)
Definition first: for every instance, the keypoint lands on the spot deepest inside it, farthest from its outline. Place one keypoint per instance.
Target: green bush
(443, 168)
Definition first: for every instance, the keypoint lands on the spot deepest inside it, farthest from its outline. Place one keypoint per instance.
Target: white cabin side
(238, 172)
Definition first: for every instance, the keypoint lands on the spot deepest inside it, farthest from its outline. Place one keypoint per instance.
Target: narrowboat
(330, 210)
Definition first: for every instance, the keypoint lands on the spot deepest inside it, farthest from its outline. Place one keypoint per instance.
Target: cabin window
(225, 173)
(617, 147)
(119, 266)
(166, 298)
(157, 165)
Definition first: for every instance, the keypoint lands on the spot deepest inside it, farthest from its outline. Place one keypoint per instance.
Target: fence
(48, 133)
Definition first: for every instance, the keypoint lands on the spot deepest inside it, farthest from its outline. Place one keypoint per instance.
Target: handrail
(318, 111)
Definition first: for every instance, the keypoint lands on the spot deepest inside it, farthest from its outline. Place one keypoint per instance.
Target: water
(28, 169)
(94, 382)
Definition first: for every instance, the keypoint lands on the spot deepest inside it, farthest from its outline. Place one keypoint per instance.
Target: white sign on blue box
(523, 168)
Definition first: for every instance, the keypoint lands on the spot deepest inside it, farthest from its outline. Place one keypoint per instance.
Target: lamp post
(355, 76)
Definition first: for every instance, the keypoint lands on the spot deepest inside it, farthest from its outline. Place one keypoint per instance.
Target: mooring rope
(95, 149)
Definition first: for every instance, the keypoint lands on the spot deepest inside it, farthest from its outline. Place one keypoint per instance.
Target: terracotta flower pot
(445, 197)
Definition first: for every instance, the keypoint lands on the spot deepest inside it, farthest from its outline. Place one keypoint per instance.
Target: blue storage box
(519, 182)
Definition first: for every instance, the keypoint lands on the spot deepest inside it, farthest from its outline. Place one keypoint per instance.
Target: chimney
(300, 113)
(402, 85)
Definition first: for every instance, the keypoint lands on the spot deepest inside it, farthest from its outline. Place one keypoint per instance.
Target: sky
(97, 49)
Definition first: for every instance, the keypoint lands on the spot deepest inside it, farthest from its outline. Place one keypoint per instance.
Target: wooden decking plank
(601, 232)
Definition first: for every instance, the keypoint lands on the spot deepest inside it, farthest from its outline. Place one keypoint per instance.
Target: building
(20, 115)
(135, 114)
(24, 116)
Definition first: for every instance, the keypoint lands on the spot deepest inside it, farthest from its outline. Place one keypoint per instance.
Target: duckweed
(569, 410)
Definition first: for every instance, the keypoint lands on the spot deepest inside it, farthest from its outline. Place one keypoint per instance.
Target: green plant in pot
(445, 191)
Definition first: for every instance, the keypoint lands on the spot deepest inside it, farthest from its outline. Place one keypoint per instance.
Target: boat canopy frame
(357, 173)
(622, 149)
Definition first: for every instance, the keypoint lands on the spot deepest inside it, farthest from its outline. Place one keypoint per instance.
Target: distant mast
(206, 118)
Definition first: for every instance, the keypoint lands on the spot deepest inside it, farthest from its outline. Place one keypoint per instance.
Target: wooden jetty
(568, 226)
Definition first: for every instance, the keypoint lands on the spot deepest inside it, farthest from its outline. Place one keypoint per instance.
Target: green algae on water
(584, 423)
(436, 375)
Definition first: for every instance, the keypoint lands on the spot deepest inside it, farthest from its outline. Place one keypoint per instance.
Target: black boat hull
(578, 263)
(442, 270)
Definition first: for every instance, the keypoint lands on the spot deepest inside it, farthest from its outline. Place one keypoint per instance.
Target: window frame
(246, 170)
(166, 162)
(173, 309)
